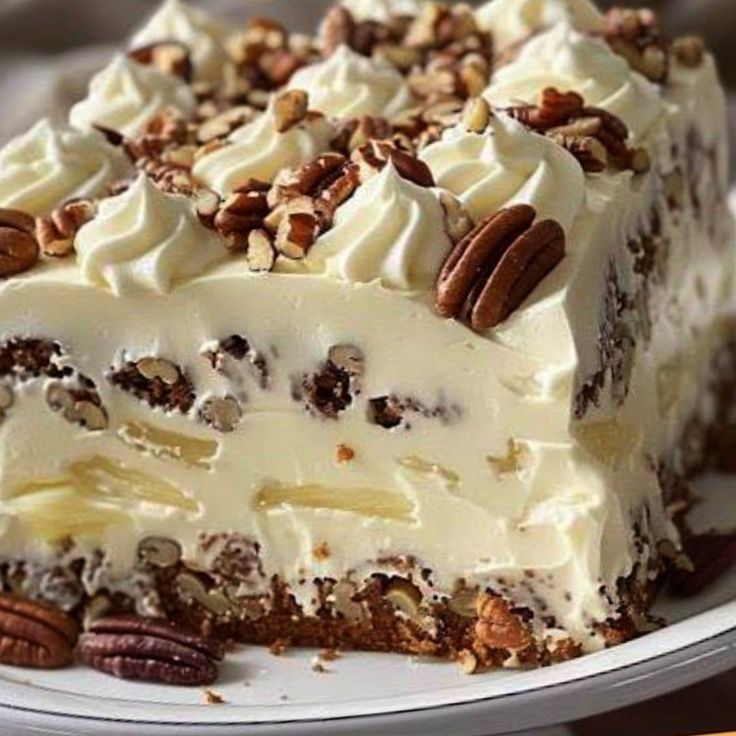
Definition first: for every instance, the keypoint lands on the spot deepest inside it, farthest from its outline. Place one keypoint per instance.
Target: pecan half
(19, 249)
(497, 265)
(56, 232)
(373, 157)
(150, 649)
(35, 634)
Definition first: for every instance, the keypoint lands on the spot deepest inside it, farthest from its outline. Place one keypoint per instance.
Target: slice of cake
(400, 338)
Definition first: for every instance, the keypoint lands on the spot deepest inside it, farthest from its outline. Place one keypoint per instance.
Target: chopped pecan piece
(170, 57)
(634, 35)
(497, 265)
(156, 381)
(260, 253)
(79, 405)
(298, 229)
(689, 51)
(19, 250)
(150, 649)
(289, 109)
(56, 232)
(35, 634)
(222, 414)
(373, 157)
(240, 213)
(498, 627)
(27, 358)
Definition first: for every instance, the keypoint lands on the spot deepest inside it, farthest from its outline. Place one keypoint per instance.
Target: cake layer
(316, 441)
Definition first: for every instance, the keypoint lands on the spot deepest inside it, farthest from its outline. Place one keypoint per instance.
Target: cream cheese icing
(391, 231)
(259, 150)
(349, 85)
(511, 21)
(145, 239)
(507, 164)
(201, 34)
(51, 163)
(125, 95)
(564, 58)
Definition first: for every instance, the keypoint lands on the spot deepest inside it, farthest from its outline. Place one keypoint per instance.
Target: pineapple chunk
(427, 467)
(163, 443)
(364, 501)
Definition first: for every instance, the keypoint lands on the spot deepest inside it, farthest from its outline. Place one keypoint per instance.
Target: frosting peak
(175, 20)
(392, 231)
(507, 164)
(50, 164)
(145, 239)
(513, 20)
(348, 85)
(569, 60)
(258, 150)
(125, 95)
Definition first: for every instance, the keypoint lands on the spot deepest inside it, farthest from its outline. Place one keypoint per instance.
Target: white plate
(385, 694)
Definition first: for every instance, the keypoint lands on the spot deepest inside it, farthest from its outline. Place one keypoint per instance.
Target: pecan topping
(241, 212)
(689, 51)
(35, 634)
(564, 117)
(497, 265)
(373, 157)
(222, 414)
(26, 358)
(170, 57)
(150, 649)
(330, 390)
(78, 405)
(19, 249)
(156, 381)
(358, 131)
(634, 35)
(56, 231)
(498, 627)
(260, 254)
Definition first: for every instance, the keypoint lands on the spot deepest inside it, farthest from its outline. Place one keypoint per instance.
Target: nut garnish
(35, 634)
(476, 114)
(150, 649)
(498, 627)
(497, 265)
(634, 35)
(689, 51)
(404, 595)
(170, 57)
(373, 157)
(289, 109)
(19, 249)
(260, 254)
(564, 117)
(330, 390)
(78, 405)
(56, 231)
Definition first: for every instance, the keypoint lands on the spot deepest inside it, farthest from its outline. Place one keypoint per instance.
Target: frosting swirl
(125, 95)
(145, 239)
(564, 58)
(258, 150)
(513, 20)
(391, 230)
(176, 21)
(504, 165)
(348, 85)
(381, 10)
(50, 164)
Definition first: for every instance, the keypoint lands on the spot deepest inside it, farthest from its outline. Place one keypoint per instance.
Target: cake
(402, 337)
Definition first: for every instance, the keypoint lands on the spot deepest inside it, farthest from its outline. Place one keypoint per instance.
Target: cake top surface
(376, 151)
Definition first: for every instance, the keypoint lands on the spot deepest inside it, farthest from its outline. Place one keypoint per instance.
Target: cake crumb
(213, 698)
(468, 661)
(279, 647)
(321, 552)
(344, 453)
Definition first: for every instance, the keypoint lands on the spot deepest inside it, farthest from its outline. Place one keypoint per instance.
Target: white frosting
(258, 150)
(348, 85)
(145, 239)
(125, 95)
(50, 164)
(380, 10)
(391, 230)
(564, 58)
(514, 20)
(504, 165)
(177, 21)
